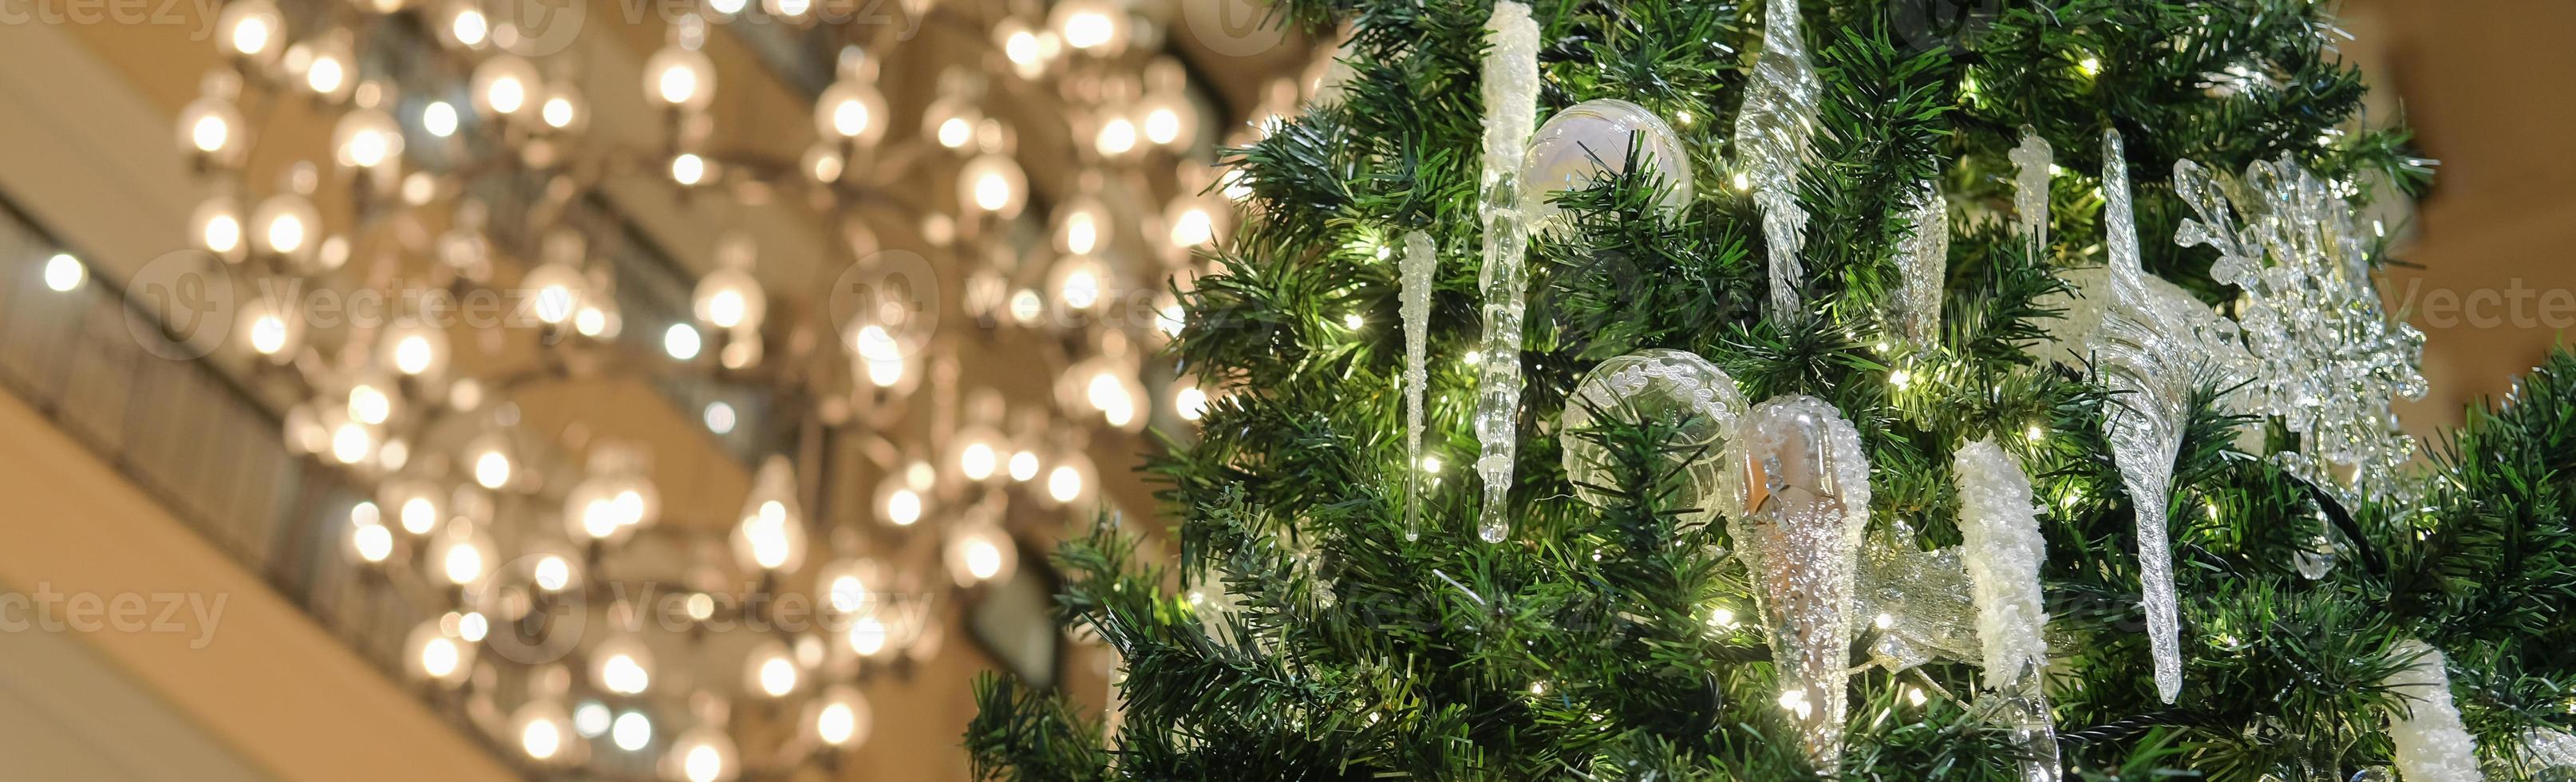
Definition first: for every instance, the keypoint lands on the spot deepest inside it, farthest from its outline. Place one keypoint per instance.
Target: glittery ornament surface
(1999, 531)
(1414, 272)
(2431, 744)
(1511, 107)
(1797, 502)
(1923, 259)
(2326, 358)
(2545, 750)
(1590, 141)
(1918, 605)
(2136, 346)
(1771, 136)
(1698, 400)
(2031, 163)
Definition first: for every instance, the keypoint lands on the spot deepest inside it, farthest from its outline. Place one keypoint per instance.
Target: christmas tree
(1875, 390)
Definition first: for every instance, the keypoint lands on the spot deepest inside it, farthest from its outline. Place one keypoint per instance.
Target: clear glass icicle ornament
(1511, 111)
(2139, 354)
(1415, 272)
(1771, 137)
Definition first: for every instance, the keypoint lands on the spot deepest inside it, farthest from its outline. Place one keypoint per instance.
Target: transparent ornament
(1510, 85)
(1589, 142)
(1797, 502)
(1421, 259)
(2327, 359)
(1698, 401)
(1771, 143)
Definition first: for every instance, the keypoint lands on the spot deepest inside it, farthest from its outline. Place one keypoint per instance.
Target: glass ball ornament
(1696, 403)
(1589, 142)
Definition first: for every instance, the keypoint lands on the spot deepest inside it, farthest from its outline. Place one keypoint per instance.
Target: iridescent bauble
(1698, 401)
(1589, 141)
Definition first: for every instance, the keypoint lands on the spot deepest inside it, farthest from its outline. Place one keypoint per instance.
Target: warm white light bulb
(1162, 125)
(1024, 465)
(983, 559)
(372, 541)
(703, 763)
(677, 84)
(222, 233)
(1064, 483)
(1117, 137)
(681, 342)
(552, 573)
(464, 564)
(268, 334)
(351, 442)
(903, 507)
(992, 191)
(1193, 227)
(850, 118)
(688, 169)
(778, 676)
(439, 118)
(621, 674)
(976, 460)
(954, 132)
(286, 233)
(492, 469)
(63, 273)
(469, 27)
(210, 133)
(1088, 30)
(252, 35)
(325, 75)
(867, 636)
(1189, 403)
(632, 731)
(836, 724)
(541, 739)
(724, 309)
(557, 112)
(438, 658)
(412, 354)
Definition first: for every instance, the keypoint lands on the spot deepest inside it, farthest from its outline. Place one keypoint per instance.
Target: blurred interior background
(691, 389)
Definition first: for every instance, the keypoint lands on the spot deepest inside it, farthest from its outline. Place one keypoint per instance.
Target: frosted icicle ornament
(2140, 356)
(2031, 163)
(1923, 266)
(1797, 501)
(1589, 142)
(2431, 744)
(1999, 532)
(1658, 384)
(1511, 107)
(1414, 305)
(1771, 136)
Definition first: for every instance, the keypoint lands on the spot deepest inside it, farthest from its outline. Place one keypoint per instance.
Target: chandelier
(462, 237)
